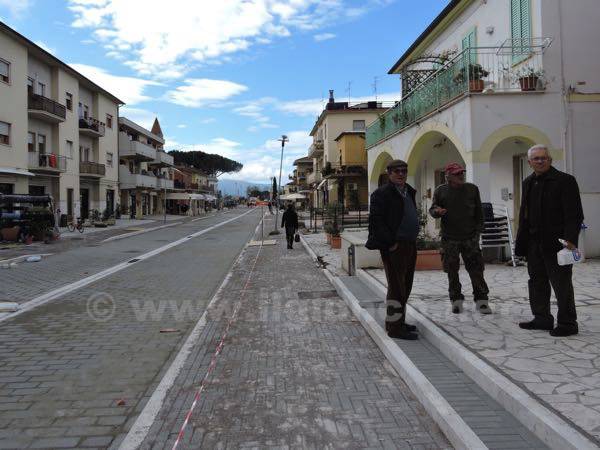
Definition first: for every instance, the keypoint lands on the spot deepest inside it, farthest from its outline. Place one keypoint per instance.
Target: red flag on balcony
(52, 160)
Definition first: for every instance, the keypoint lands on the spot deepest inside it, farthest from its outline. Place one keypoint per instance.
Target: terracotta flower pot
(336, 242)
(429, 260)
(528, 83)
(10, 234)
(476, 85)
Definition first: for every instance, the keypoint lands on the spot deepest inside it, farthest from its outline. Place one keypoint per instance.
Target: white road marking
(135, 233)
(59, 292)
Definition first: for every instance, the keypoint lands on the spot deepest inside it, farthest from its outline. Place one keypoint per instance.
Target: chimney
(331, 99)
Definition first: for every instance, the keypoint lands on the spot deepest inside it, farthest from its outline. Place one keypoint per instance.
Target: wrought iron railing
(41, 103)
(514, 66)
(50, 161)
(92, 124)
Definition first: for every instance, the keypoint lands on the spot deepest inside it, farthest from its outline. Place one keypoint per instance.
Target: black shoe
(409, 327)
(561, 331)
(536, 325)
(403, 333)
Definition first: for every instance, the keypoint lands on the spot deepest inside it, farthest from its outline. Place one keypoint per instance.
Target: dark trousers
(471, 254)
(399, 268)
(545, 272)
(290, 232)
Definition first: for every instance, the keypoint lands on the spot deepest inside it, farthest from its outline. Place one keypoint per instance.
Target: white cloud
(208, 120)
(142, 117)
(201, 91)
(182, 125)
(15, 7)
(129, 89)
(174, 36)
(323, 37)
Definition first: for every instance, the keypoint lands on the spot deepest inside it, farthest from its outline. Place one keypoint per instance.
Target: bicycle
(78, 226)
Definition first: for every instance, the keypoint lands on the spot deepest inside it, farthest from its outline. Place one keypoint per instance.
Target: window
(80, 110)
(109, 159)
(69, 101)
(5, 133)
(6, 188)
(358, 125)
(30, 82)
(31, 142)
(4, 71)
(69, 150)
(109, 120)
(41, 89)
(520, 24)
(36, 190)
(86, 111)
(86, 154)
(41, 143)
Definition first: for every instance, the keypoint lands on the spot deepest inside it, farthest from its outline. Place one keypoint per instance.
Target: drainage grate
(305, 295)
(133, 260)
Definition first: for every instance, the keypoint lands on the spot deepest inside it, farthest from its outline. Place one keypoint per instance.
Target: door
(37, 190)
(70, 204)
(521, 170)
(132, 209)
(110, 200)
(85, 203)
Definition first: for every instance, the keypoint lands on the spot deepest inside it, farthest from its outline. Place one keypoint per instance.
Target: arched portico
(378, 170)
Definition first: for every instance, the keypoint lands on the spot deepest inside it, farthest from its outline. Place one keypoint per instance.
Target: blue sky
(227, 76)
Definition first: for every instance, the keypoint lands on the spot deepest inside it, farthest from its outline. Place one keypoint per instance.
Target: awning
(15, 171)
(178, 196)
(209, 197)
(197, 197)
(293, 196)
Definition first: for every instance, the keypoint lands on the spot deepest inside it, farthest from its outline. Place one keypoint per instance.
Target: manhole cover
(305, 295)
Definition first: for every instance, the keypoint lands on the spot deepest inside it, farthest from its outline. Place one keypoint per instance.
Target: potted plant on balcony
(474, 73)
(530, 79)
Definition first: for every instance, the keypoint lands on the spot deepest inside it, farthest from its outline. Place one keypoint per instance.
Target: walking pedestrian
(458, 204)
(550, 210)
(289, 220)
(270, 207)
(393, 230)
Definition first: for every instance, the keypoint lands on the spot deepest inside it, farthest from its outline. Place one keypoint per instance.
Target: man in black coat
(393, 230)
(290, 222)
(550, 210)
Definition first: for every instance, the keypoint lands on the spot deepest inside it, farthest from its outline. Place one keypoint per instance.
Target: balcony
(91, 169)
(43, 108)
(164, 183)
(314, 177)
(47, 162)
(514, 67)
(162, 159)
(91, 127)
(316, 149)
(128, 180)
(135, 150)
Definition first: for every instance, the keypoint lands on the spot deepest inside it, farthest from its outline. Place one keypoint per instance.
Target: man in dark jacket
(458, 204)
(393, 230)
(290, 222)
(550, 210)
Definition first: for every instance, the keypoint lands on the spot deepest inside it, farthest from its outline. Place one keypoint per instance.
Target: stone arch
(378, 168)
(527, 133)
(416, 150)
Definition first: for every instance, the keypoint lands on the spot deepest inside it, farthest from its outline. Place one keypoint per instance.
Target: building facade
(58, 130)
(336, 118)
(483, 83)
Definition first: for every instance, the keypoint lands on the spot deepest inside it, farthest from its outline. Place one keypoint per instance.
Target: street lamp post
(283, 140)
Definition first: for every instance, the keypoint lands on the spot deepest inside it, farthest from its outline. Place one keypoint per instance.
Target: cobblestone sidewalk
(296, 371)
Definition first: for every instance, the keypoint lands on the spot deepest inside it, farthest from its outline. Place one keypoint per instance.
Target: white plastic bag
(567, 257)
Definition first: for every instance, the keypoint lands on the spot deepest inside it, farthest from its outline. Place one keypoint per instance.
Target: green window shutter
(470, 41)
(520, 18)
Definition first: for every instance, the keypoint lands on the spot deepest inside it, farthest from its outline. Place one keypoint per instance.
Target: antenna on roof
(349, 90)
(375, 87)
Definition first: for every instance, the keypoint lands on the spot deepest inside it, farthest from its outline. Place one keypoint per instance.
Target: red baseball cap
(454, 168)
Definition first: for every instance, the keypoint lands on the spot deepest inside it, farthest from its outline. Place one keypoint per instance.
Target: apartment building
(145, 169)
(336, 118)
(484, 82)
(58, 130)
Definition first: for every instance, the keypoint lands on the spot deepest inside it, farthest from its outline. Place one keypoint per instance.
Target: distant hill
(234, 187)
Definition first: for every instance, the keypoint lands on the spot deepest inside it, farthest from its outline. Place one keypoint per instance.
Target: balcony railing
(91, 125)
(47, 161)
(38, 102)
(513, 67)
(164, 183)
(314, 177)
(92, 168)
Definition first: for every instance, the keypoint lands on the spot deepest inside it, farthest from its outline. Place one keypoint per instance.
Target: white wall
(41, 73)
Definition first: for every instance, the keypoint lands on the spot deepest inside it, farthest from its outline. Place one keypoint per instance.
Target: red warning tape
(213, 361)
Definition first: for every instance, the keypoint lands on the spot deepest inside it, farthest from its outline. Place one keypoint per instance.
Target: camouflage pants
(471, 254)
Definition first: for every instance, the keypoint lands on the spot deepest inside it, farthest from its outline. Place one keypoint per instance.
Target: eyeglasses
(540, 159)
(399, 170)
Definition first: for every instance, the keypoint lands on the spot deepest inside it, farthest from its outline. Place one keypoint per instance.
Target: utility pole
(375, 87)
(283, 140)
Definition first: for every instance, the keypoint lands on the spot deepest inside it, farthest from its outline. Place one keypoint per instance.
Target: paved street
(70, 380)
